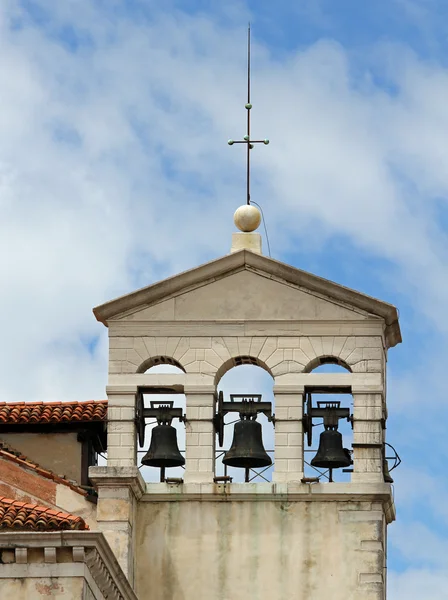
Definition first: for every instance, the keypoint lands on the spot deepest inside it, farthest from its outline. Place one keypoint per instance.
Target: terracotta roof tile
(18, 413)
(20, 515)
(9, 453)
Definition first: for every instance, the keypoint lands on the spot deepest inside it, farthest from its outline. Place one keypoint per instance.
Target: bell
(163, 450)
(247, 450)
(331, 454)
(387, 475)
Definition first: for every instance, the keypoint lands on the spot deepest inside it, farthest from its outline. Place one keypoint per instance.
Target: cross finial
(246, 139)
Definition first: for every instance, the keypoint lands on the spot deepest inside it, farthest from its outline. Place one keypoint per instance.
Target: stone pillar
(121, 429)
(367, 437)
(119, 490)
(288, 455)
(200, 434)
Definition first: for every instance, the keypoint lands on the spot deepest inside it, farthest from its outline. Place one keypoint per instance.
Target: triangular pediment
(246, 286)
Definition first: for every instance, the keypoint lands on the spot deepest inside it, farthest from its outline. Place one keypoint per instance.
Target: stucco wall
(59, 452)
(70, 588)
(260, 550)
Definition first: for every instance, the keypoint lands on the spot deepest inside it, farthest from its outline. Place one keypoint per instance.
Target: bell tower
(317, 528)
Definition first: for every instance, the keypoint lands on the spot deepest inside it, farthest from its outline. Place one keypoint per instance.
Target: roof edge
(231, 262)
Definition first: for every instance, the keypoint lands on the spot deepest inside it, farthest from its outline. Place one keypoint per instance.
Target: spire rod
(246, 140)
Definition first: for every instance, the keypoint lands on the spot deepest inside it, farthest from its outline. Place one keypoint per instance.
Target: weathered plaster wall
(42, 587)
(58, 452)
(260, 550)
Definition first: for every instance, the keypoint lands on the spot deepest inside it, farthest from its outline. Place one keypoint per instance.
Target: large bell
(331, 454)
(163, 450)
(247, 450)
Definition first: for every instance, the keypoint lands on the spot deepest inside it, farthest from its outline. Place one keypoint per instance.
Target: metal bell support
(247, 450)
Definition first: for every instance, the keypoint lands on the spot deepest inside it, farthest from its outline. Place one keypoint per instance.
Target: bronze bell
(331, 454)
(163, 450)
(247, 450)
(387, 475)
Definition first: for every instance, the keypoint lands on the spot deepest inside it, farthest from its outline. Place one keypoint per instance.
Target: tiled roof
(23, 516)
(42, 413)
(20, 459)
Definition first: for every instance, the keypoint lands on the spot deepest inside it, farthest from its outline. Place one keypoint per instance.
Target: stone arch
(238, 361)
(152, 361)
(326, 360)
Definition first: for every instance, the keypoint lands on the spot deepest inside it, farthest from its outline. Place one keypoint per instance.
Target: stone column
(367, 437)
(288, 433)
(200, 434)
(119, 490)
(121, 429)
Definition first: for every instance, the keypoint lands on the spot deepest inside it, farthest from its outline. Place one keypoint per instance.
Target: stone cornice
(89, 547)
(273, 492)
(118, 477)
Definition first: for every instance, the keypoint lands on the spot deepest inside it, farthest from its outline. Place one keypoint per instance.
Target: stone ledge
(118, 477)
(380, 493)
(89, 550)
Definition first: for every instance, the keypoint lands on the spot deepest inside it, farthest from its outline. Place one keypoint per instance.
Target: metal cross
(246, 139)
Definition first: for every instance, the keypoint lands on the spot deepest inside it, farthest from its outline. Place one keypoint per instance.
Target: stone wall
(260, 549)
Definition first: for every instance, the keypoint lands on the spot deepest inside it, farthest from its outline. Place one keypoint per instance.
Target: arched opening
(152, 474)
(249, 379)
(239, 361)
(327, 364)
(156, 361)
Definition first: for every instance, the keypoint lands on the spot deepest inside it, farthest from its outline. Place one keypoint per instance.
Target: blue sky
(115, 173)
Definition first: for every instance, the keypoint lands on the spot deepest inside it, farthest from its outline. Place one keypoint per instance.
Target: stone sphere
(247, 218)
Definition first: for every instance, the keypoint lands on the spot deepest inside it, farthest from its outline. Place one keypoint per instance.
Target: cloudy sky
(115, 173)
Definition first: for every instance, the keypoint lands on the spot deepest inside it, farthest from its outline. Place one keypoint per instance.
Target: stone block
(192, 412)
(348, 347)
(374, 366)
(256, 344)
(307, 349)
(161, 345)
(213, 358)
(295, 439)
(300, 357)
(295, 412)
(206, 465)
(181, 349)
(188, 357)
(232, 346)
(369, 342)
(269, 347)
(120, 342)
(221, 350)
(295, 465)
(281, 439)
(289, 342)
(316, 343)
(115, 366)
(287, 426)
(281, 465)
(367, 465)
(244, 345)
(327, 345)
(373, 353)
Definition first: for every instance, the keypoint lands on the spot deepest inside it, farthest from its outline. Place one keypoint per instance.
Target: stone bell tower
(200, 537)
